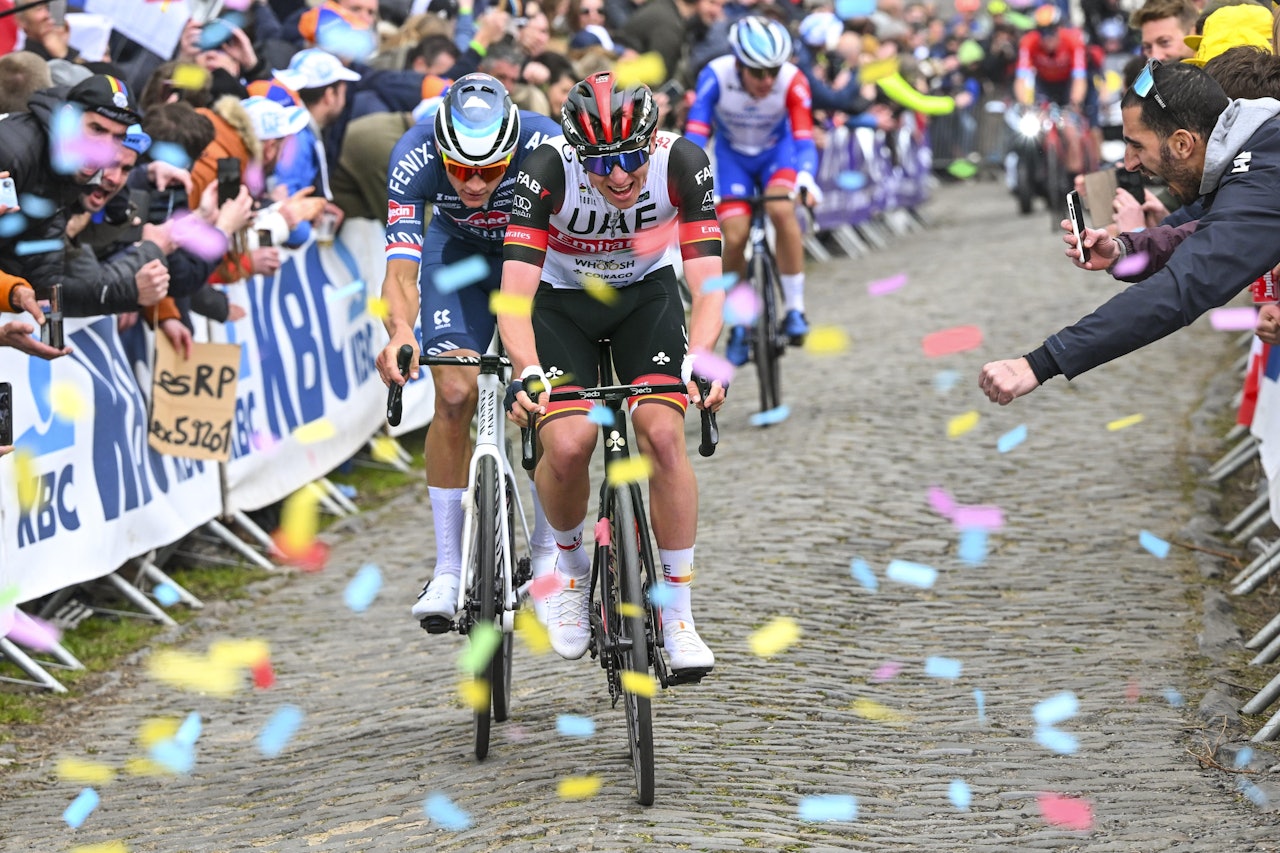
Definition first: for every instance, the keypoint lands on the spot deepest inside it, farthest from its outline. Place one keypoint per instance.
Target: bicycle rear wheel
(483, 578)
(768, 346)
(633, 642)
(500, 674)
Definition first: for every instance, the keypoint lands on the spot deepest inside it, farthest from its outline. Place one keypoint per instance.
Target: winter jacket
(1157, 244)
(1234, 243)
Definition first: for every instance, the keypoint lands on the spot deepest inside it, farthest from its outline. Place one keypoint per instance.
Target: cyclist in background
(464, 164)
(759, 105)
(1053, 67)
(614, 199)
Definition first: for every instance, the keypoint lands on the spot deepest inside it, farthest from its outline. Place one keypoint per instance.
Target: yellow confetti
(878, 70)
(1123, 423)
(578, 787)
(626, 609)
(961, 424)
(145, 767)
(508, 304)
(84, 772)
(377, 307)
(474, 693)
(870, 710)
(633, 470)
(24, 469)
(68, 403)
(384, 448)
(240, 653)
(189, 76)
(317, 430)
(157, 729)
(775, 638)
(639, 683)
(104, 847)
(192, 672)
(598, 290)
(826, 340)
(300, 518)
(531, 630)
(647, 68)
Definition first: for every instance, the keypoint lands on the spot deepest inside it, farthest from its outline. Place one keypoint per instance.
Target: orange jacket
(8, 283)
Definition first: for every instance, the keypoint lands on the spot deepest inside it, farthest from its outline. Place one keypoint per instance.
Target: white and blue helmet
(760, 42)
(476, 123)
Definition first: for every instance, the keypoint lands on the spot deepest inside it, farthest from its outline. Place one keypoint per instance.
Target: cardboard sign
(1099, 194)
(193, 401)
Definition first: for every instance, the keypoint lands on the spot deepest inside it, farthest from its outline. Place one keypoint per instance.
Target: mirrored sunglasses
(765, 73)
(1146, 83)
(464, 173)
(628, 161)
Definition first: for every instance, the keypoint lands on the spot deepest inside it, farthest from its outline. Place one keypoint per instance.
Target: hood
(1239, 121)
(43, 103)
(228, 108)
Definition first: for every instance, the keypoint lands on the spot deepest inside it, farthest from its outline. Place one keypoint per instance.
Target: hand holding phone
(1075, 212)
(228, 179)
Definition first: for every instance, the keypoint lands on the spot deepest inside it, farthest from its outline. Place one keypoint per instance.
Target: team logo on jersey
(703, 176)
(397, 211)
(486, 220)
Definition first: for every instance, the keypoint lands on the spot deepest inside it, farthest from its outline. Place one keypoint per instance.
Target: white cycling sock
(446, 517)
(677, 574)
(543, 542)
(793, 290)
(573, 560)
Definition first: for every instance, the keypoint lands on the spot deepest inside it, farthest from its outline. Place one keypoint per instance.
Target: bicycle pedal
(687, 676)
(437, 625)
(795, 340)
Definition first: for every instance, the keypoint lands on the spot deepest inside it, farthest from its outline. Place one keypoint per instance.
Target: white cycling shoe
(438, 599)
(543, 565)
(685, 649)
(569, 617)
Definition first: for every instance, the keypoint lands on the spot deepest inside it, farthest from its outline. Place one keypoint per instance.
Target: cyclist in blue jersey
(463, 167)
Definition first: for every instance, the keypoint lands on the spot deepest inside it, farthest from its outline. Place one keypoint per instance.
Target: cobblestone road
(1066, 600)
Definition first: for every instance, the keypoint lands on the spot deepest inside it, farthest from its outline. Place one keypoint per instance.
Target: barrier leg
(150, 610)
(152, 572)
(1268, 553)
(226, 536)
(39, 676)
(338, 497)
(329, 505)
(1235, 433)
(871, 232)
(849, 242)
(1252, 581)
(1269, 731)
(1233, 460)
(814, 247)
(1268, 654)
(1259, 504)
(1266, 635)
(1263, 698)
(1255, 527)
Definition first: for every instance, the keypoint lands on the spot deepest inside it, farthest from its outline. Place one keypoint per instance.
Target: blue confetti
(12, 224)
(348, 491)
(166, 594)
(443, 811)
(37, 207)
(1146, 538)
(37, 247)
(771, 416)
(279, 730)
(945, 380)
(1058, 741)
(363, 588)
(1055, 709)
(1254, 794)
(973, 546)
(1173, 697)
(1243, 757)
(939, 667)
(661, 594)
(346, 41)
(190, 729)
(170, 152)
(347, 290)
(863, 574)
(464, 273)
(571, 725)
(720, 282)
(81, 807)
(173, 755)
(960, 794)
(602, 415)
(847, 9)
(980, 699)
(1012, 439)
(914, 574)
(829, 807)
(851, 180)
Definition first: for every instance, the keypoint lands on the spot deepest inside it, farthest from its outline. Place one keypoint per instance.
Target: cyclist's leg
(780, 179)
(734, 178)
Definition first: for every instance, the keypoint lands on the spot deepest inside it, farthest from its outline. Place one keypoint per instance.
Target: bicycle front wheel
(633, 642)
(768, 345)
(484, 580)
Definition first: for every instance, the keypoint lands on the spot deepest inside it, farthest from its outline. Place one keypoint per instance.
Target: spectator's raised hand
(17, 334)
(492, 26)
(153, 283)
(301, 207)
(178, 334)
(23, 298)
(161, 235)
(164, 175)
(236, 213)
(265, 261)
(241, 51)
(1127, 211)
(1154, 208)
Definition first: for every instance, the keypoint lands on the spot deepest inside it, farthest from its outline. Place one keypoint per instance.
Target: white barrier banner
(309, 395)
(1265, 426)
(102, 495)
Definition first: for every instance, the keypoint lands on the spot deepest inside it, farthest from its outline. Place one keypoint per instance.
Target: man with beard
(1181, 127)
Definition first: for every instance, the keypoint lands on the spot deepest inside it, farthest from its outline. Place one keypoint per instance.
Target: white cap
(272, 120)
(314, 68)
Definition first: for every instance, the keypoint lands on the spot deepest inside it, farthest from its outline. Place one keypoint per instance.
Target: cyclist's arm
(410, 182)
(693, 190)
(1024, 81)
(1079, 72)
(800, 111)
(697, 128)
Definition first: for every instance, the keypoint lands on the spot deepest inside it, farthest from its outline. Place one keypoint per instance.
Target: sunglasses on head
(464, 173)
(1146, 83)
(628, 161)
(764, 73)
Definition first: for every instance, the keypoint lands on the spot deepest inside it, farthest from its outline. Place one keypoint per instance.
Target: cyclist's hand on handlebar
(388, 370)
(520, 405)
(807, 188)
(714, 399)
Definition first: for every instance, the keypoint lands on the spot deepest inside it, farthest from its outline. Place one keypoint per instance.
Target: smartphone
(264, 238)
(6, 414)
(1131, 181)
(58, 12)
(51, 331)
(1075, 212)
(228, 179)
(8, 193)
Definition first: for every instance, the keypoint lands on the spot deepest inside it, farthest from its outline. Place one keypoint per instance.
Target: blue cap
(135, 139)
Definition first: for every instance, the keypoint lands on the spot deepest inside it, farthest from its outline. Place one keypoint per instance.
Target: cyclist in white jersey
(760, 108)
(616, 200)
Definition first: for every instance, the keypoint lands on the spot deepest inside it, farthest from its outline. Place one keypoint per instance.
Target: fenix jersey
(751, 127)
(416, 180)
(560, 222)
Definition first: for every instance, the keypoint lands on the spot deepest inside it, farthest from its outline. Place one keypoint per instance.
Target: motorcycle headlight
(1029, 124)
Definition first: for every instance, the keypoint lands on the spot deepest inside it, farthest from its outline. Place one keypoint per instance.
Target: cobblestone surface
(1066, 600)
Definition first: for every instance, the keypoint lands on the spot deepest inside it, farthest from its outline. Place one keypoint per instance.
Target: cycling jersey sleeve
(412, 178)
(1029, 44)
(800, 111)
(692, 188)
(1079, 63)
(697, 128)
(539, 193)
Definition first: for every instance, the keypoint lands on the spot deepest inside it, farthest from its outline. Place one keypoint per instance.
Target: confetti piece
(647, 68)
(962, 169)
(1241, 319)
(1132, 691)
(973, 546)
(264, 676)
(1153, 543)
(720, 282)
(1124, 423)
(940, 667)
(173, 757)
(941, 501)
(28, 479)
(951, 341)
(633, 470)
(880, 287)
(826, 340)
(156, 729)
(12, 224)
(246, 653)
(1130, 264)
(578, 787)
(1056, 740)
(442, 810)
(546, 585)
(81, 807)
(851, 181)
(1055, 709)
(978, 517)
(1173, 697)
(170, 152)
(104, 847)
(189, 731)
(980, 699)
(279, 730)
(639, 683)
(598, 290)
(599, 414)
(825, 808)
(886, 672)
(1243, 757)
(343, 292)
(532, 632)
(198, 237)
(454, 277)
(346, 41)
(961, 424)
(571, 725)
(37, 247)
(913, 574)
(166, 594)
(1252, 792)
(67, 401)
(770, 416)
(959, 794)
(475, 693)
(384, 448)
(363, 588)
(192, 672)
(300, 516)
(863, 574)
(37, 207)
(775, 637)
(189, 76)
(9, 594)
(741, 305)
(945, 380)
(630, 611)
(318, 430)
(1070, 812)
(34, 632)
(661, 594)
(484, 642)
(80, 772)
(377, 307)
(1012, 439)
(137, 766)
(509, 305)
(715, 368)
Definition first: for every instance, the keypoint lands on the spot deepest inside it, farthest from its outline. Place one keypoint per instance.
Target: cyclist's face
(1162, 40)
(620, 188)
(758, 82)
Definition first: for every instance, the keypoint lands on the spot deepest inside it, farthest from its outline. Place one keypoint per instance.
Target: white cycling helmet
(476, 123)
(760, 42)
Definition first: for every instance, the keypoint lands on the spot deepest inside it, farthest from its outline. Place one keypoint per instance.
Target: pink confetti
(541, 587)
(886, 285)
(199, 237)
(237, 5)
(33, 632)
(741, 306)
(263, 441)
(7, 617)
(1132, 691)
(714, 367)
(1130, 264)
(978, 517)
(885, 672)
(941, 501)
(1069, 812)
(953, 340)
(254, 179)
(1241, 319)
(602, 532)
